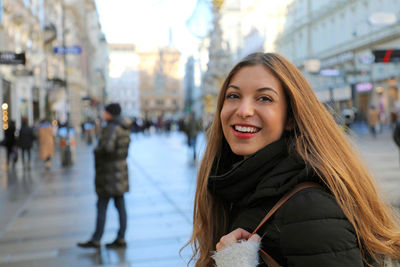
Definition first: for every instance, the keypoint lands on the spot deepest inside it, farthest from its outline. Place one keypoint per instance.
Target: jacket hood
(270, 172)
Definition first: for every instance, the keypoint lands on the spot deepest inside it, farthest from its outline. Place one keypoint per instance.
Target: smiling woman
(254, 110)
(269, 135)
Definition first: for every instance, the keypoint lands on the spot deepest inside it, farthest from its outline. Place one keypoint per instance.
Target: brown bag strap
(271, 262)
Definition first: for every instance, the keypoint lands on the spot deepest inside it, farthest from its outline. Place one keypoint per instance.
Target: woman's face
(253, 114)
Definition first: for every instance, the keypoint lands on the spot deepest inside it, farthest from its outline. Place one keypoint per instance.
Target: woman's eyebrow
(234, 87)
(259, 89)
(267, 89)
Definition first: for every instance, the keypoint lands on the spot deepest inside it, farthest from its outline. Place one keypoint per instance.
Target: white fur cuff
(242, 254)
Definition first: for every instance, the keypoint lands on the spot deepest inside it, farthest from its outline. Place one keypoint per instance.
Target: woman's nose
(245, 109)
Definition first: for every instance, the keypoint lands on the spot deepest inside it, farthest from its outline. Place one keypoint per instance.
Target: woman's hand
(236, 236)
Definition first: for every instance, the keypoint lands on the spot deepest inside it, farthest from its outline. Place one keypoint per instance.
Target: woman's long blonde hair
(318, 140)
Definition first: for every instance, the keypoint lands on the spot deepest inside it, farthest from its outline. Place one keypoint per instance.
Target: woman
(46, 142)
(25, 141)
(10, 143)
(269, 134)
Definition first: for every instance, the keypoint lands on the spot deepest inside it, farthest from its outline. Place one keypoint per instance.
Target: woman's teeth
(245, 129)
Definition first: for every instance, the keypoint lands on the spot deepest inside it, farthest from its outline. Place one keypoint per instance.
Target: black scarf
(270, 172)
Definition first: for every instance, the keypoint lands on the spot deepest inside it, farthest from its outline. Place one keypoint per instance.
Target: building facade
(333, 43)
(124, 78)
(238, 28)
(49, 83)
(160, 83)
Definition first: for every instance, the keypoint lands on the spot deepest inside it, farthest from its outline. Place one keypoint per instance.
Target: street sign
(11, 58)
(76, 49)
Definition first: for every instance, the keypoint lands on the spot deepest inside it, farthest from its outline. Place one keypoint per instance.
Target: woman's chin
(243, 152)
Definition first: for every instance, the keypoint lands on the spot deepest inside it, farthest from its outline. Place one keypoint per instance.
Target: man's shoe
(90, 244)
(118, 243)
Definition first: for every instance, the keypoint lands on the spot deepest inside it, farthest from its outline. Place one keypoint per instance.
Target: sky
(147, 23)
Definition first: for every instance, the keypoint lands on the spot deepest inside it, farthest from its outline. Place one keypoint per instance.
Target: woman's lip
(243, 135)
(245, 125)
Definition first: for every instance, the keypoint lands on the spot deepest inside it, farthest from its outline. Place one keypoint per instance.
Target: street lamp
(66, 152)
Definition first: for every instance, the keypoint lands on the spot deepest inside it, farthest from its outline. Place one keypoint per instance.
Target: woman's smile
(245, 131)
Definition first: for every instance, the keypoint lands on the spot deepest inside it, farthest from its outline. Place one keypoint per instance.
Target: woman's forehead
(257, 76)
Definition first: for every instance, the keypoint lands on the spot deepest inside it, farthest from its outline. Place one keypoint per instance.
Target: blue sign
(1, 12)
(76, 49)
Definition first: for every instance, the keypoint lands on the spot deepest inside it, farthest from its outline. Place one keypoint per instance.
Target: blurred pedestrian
(111, 179)
(89, 130)
(192, 128)
(373, 120)
(396, 136)
(10, 142)
(395, 114)
(269, 135)
(46, 142)
(25, 141)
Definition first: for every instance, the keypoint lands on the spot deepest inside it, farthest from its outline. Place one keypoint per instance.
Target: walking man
(396, 135)
(25, 140)
(111, 174)
(192, 128)
(10, 143)
(373, 120)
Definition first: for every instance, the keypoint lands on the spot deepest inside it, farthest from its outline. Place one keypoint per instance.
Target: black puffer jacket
(308, 230)
(110, 159)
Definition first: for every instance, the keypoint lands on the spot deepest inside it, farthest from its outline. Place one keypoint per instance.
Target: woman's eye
(265, 99)
(231, 96)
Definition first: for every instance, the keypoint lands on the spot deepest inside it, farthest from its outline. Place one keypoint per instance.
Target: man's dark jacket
(310, 229)
(396, 134)
(110, 159)
(26, 137)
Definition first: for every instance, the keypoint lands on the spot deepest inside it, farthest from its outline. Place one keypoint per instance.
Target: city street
(46, 212)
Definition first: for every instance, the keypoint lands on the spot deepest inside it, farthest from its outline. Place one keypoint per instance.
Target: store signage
(363, 87)
(22, 72)
(387, 55)
(342, 93)
(11, 58)
(323, 95)
(339, 59)
(382, 18)
(330, 72)
(366, 58)
(76, 49)
(312, 65)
